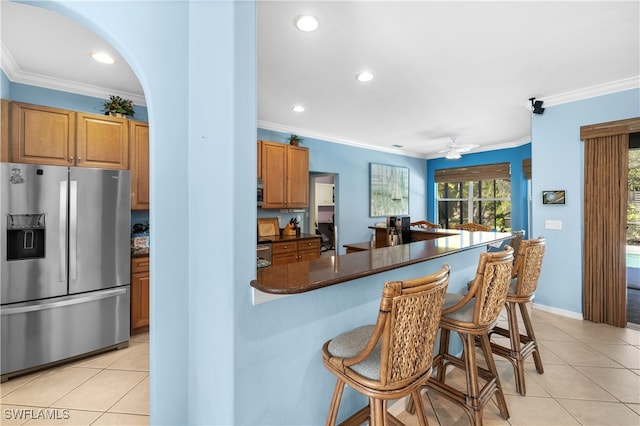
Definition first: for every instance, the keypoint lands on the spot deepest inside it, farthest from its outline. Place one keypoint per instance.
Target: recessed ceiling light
(365, 76)
(297, 108)
(103, 57)
(307, 23)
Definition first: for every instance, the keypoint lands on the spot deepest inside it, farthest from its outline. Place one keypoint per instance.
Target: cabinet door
(309, 249)
(324, 194)
(102, 142)
(140, 284)
(274, 174)
(4, 131)
(298, 177)
(139, 161)
(42, 135)
(140, 301)
(284, 252)
(259, 159)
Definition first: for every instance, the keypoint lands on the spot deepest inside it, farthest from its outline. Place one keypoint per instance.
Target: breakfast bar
(301, 277)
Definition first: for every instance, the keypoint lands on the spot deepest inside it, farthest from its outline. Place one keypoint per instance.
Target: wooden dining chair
(424, 224)
(472, 316)
(526, 272)
(391, 359)
(471, 227)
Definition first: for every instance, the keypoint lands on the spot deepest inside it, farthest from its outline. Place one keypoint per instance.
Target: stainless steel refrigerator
(65, 267)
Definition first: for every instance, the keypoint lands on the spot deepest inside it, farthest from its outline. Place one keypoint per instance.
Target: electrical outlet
(553, 224)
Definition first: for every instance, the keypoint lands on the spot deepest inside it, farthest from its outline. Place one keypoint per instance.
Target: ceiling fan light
(453, 155)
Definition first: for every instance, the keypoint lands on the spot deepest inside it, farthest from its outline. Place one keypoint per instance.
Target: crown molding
(589, 92)
(276, 127)
(16, 75)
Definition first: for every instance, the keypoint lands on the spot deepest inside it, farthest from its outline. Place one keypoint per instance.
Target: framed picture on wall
(388, 190)
(553, 197)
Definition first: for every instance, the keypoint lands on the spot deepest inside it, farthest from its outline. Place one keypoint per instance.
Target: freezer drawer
(38, 333)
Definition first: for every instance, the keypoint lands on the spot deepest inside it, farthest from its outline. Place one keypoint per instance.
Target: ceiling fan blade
(465, 148)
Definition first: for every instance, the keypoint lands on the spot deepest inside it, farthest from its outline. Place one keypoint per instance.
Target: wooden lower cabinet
(284, 252)
(140, 284)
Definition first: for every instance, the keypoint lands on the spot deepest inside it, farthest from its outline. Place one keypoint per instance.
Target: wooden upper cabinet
(285, 174)
(4, 131)
(102, 142)
(60, 137)
(298, 177)
(139, 162)
(259, 159)
(42, 135)
(274, 174)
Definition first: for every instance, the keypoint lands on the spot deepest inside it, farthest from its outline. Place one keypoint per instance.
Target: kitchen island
(315, 274)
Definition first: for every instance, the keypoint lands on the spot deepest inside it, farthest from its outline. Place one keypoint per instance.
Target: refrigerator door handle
(73, 229)
(40, 306)
(62, 226)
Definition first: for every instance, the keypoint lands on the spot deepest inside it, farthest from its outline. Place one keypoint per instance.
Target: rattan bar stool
(471, 227)
(391, 359)
(425, 224)
(472, 316)
(526, 272)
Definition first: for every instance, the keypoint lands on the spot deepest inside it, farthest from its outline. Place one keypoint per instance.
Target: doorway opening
(633, 231)
(322, 210)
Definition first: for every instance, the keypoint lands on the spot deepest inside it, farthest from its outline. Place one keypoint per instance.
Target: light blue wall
(58, 99)
(557, 163)
(5, 91)
(519, 217)
(215, 358)
(351, 165)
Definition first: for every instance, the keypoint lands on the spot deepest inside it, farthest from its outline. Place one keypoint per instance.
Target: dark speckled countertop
(276, 238)
(300, 277)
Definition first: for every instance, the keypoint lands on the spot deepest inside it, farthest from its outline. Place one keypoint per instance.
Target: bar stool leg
(515, 355)
(531, 337)
(488, 356)
(335, 403)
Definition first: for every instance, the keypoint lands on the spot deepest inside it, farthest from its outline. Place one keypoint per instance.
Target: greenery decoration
(294, 139)
(118, 105)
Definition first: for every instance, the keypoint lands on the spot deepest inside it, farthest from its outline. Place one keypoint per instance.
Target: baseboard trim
(558, 311)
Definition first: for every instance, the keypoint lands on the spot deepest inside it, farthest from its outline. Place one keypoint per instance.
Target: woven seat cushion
(465, 313)
(351, 343)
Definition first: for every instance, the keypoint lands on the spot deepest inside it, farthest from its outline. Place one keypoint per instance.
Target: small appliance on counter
(140, 239)
(398, 230)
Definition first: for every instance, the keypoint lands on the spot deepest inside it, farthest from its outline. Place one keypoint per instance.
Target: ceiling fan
(454, 149)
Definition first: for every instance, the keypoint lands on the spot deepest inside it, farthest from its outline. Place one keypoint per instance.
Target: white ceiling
(443, 69)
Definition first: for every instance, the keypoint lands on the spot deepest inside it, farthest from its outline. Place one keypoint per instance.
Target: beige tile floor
(106, 389)
(592, 377)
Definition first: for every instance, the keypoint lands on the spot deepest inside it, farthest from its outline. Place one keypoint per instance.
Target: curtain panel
(605, 219)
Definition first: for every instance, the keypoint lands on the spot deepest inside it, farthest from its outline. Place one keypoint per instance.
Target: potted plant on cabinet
(118, 107)
(294, 140)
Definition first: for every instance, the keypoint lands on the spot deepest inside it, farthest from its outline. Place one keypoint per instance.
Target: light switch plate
(553, 224)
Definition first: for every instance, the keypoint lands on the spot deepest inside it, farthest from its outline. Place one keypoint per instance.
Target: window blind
(465, 174)
(526, 168)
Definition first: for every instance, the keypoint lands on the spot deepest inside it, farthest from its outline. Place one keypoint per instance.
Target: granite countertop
(139, 253)
(276, 238)
(300, 277)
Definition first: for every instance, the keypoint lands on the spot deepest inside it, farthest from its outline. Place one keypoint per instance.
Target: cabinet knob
(71, 159)
(79, 159)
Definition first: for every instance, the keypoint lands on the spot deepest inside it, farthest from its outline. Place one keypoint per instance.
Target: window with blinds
(477, 194)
